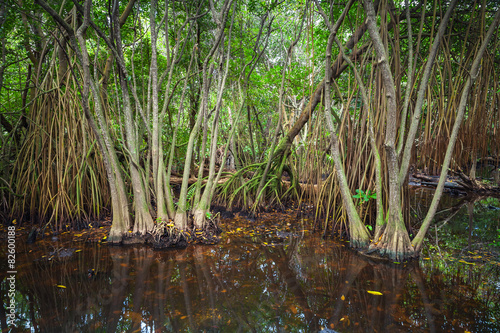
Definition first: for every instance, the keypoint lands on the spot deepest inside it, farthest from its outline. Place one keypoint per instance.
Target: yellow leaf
(374, 292)
(61, 286)
(78, 251)
(342, 298)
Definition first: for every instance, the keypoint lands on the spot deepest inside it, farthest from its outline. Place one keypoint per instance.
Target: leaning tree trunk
(121, 217)
(358, 235)
(419, 238)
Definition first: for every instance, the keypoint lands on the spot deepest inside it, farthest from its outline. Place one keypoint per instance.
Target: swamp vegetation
(274, 135)
(157, 114)
(276, 275)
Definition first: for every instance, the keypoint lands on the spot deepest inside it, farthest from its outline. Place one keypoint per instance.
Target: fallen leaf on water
(374, 292)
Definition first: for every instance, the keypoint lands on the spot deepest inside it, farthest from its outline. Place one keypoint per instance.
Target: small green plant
(208, 215)
(364, 196)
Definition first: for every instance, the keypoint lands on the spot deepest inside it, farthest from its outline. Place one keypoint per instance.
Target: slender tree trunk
(203, 205)
(181, 219)
(143, 221)
(261, 191)
(359, 236)
(395, 241)
(121, 218)
(419, 238)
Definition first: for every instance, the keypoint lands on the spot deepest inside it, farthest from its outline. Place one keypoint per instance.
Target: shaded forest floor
(270, 229)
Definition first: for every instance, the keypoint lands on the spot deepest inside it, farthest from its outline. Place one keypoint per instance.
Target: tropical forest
(250, 166)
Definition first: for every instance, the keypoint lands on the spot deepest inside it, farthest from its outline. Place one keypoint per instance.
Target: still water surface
(256, 280)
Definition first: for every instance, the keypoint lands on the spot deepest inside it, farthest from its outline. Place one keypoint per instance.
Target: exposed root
(166, 235)
(133, 238)
(209, 234)
(397, 248)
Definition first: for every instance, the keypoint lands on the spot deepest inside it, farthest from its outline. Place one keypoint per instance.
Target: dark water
(257, 281)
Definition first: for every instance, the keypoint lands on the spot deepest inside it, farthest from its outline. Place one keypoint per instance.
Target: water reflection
(249, 284)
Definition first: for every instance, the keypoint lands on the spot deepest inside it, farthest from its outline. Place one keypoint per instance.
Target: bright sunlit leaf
(374, 292)
(61, 286)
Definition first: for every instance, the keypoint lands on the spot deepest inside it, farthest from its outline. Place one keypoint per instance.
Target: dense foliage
(132, 107)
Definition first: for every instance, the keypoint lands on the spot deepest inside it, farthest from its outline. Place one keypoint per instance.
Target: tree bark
(394, 241)
(419, 238)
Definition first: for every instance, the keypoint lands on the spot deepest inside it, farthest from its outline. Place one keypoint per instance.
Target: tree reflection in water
(249, 284)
